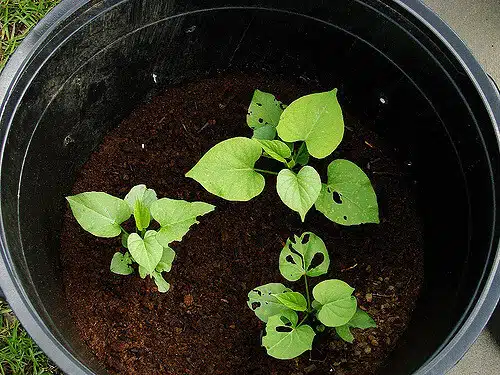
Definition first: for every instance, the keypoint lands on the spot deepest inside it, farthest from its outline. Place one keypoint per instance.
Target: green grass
(17, 17)
(19, 355)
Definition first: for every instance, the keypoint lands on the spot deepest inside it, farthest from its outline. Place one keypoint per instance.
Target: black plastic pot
(397, 65)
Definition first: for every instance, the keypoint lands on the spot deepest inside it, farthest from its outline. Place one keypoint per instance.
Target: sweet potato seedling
(103, 215)
(293, 320)
(311, 126)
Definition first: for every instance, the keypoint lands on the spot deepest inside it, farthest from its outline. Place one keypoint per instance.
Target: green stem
(143, 233)
(307, 295)
(291, 164)
(265, 171)
(123, 230)
(303, 319)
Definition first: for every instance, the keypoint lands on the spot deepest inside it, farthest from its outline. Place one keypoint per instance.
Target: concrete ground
(477, 22)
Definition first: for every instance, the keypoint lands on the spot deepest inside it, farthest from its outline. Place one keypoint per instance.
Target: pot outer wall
(88, 63)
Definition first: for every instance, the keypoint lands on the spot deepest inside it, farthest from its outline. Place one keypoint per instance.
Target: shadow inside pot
(494, 324)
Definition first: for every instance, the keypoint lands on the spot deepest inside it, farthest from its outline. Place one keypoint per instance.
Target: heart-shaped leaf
(227, 170)
(337, 303)
(99, 213)
(316, 119)
(284, 339)
(299, 191)
(120, 264)
(360, 319)
(348, 198)
(263, 302)
(176, 217)
(147, 252)
(293, 300)
(296, 258)
(165, 264)
(140, 199)
(276, 149)
(264, 110)
(160, 282)
(266, 132)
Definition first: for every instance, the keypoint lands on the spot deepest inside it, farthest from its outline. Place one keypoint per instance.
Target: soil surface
(203, 325)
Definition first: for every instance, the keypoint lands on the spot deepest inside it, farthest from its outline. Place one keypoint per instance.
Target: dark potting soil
(203, 325)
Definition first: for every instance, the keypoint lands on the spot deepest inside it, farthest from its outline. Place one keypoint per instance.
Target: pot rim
(456, 344)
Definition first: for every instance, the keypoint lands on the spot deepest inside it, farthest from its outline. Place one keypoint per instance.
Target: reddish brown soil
(203, 325)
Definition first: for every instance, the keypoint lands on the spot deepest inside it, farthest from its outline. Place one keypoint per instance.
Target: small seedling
(311, 126)
(293, 320)
(102, 215)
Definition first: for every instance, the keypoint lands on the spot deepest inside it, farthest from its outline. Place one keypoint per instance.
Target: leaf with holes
(160, 282)
(337, 303)
(348, 198)
(284, 339)
(147, 252)
(293, 300)
(120, 264)
(176, 217)
(140, 199)
(227, 170)
(264, 110)
(360, 319)
(99, 213)
(276, 149)
(300, 257)
(263, 302)
(299, 191)
(315, 119)
(165, 264)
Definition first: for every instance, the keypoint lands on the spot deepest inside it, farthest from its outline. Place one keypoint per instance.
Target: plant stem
(303, 319)
(123, 230)
(265, 171)
(307, 294)
(143, 232)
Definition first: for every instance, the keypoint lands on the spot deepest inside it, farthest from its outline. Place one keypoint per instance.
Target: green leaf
(140, 199)
(160, 282)
(348, 198)
(264, 110)
(297, 257)
(338, 304)
(176, 217)
(299, 191)
(293, 300)
(275, 149)
(317, 120)
(302, 157)
(142, 272)
(266, 132)
(263, 302)
(344, 333)
(142, 215)
(227, 170)
(360, 319)
(125, 240)
(165, 264)
(120, 264)
(147, 252)
(140, 193)
(284, 339)
(99, 213)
